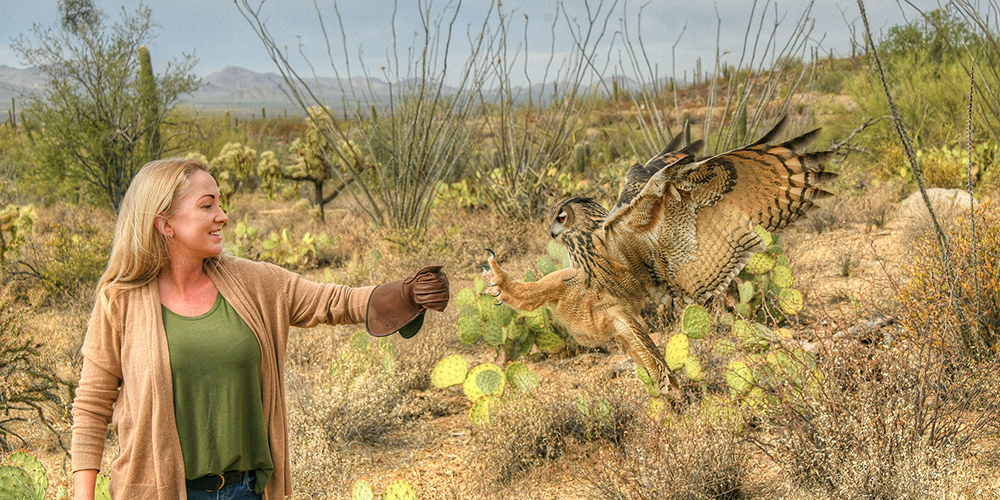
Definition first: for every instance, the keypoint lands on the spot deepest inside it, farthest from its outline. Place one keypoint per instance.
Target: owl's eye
(561, 218)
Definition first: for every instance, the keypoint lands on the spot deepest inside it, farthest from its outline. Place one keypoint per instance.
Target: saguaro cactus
(150, 104)
(741, 118)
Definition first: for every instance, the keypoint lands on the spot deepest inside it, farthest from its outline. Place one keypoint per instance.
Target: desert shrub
(886, 422)
(68, 251)
(527, 432)
(957, 305)
(696, 455)
(30, 393)
(362, 402)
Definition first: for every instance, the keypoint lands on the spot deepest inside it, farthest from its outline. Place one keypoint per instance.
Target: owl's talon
(492, 255)
(498, 302)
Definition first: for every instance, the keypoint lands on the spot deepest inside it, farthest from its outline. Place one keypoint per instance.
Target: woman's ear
(163, 226)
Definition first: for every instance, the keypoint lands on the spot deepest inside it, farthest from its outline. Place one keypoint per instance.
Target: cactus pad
(545, 265)
(558, 253)
(513, 370)
(743, 330)
(33, 467)
(362, 491)
(484, 380)
(479, 414)
(503, 314)
(760, 263)
(764, 235)
(399, 489)
(695, 323)
(782, 276)
(790, 301)
(692, 367)
(549, 342)
(739, 377)
(485, 307)
(526, 381)
(102, 488)
(465, 297)
(746, 292)
(16, 483)
(493, 333)
(676, 351)
(469, 330)
(449, 371)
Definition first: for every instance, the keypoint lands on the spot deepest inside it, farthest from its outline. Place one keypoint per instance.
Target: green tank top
(215, 368)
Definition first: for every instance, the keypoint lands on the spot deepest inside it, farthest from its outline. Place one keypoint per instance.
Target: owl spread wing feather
(638, 175)
(690, 228)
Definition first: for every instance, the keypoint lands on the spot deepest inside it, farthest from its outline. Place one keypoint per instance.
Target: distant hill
(233, 88)
(245, 92)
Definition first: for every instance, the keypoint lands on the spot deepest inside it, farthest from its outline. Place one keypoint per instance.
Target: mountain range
(239, 90)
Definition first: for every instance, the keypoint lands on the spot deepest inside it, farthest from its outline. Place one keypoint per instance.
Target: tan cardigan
(126, 373)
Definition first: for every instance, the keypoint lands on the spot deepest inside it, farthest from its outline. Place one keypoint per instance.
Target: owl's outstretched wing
(689, 229)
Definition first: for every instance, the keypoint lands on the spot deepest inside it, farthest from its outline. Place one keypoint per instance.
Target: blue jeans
(242, 490)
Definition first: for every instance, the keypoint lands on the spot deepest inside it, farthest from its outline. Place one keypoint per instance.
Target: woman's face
(197, 221)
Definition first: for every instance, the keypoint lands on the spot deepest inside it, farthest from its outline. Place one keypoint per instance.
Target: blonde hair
(139, 250)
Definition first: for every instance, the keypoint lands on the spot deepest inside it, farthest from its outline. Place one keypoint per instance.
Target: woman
(185, 350)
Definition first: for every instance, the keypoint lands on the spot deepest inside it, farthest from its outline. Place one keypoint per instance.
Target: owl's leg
(643, 350)
(524, 296)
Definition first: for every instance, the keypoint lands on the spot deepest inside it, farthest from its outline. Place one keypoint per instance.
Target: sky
(675, 33)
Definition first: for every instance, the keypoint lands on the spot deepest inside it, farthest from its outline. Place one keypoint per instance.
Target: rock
(948, 204)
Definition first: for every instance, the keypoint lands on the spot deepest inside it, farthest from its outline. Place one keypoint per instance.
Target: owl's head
(575, 215)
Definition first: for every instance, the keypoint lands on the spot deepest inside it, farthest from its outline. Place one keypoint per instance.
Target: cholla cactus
(233, 167)
(317, 158)
(15, 226)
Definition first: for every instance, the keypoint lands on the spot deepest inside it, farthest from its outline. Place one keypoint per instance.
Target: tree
(93, 125)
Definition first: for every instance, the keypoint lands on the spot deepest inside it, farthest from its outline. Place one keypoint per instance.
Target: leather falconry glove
(399, 305)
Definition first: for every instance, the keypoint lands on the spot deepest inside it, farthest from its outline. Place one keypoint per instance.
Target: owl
(682, 229)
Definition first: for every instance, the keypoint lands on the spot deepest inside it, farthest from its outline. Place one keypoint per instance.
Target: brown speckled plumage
(682, 227)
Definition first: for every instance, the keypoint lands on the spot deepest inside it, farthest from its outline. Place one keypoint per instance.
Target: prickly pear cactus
(362, 491)
(760, 263)
(480, 413)
(504, 328)
(692, 368)
(17, 483)
(493, 333)
(677, 351)
(519, 376)
(696, 322)
(33, 467)
(399, 489)
(790, 301)
(739, 377)
(469, 329)
(549, 342)
(102, 488)
(449, 371)
(486, 379)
